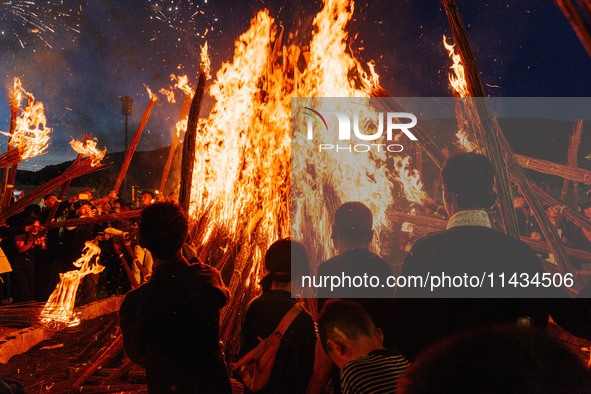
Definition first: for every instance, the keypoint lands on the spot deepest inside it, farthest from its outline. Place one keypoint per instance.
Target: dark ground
(43, 370)
(53, 370)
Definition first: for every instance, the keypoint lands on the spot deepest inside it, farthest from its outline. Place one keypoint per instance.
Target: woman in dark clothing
(295, 357)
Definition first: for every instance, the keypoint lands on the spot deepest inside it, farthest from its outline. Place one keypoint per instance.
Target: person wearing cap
(170, 325)
(295, 357)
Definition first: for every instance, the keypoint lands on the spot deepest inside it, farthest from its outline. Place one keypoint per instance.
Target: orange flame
(242, 197)
(457, 81)
(182, 83)
(241, 171)
(410, 180)
(152, 96)
(59, 308)
(459, 85)
(31, 136)
(205, 61)
(88, 148)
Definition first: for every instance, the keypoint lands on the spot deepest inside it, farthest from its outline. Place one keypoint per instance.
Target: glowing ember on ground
(60, 305)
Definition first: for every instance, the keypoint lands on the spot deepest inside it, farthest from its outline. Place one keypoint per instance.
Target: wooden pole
(491, 139)
(61, 195)
(571, 161)
(78, 169)
(134, 142)
(575, 174)
(175, 142)
(6, 190)
(495, 135)
(426, 142)
(578, 23)
(104, 218)
(188, 159)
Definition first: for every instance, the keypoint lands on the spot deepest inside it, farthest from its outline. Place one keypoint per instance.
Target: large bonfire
(244, 196)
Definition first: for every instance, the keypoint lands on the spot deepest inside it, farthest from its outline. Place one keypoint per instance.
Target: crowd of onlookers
(570, 234)
(40, 254)
(364, 339)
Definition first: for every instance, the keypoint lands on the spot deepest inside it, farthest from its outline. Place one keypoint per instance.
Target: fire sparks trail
(32, 20)
(31, 136)
(60, 305)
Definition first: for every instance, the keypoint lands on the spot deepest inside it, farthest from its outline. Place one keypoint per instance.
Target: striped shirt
(378, 372)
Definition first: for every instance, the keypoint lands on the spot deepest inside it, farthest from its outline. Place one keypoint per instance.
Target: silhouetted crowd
(383, 339)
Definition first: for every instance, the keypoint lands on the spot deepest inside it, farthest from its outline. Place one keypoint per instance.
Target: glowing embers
(59, 309)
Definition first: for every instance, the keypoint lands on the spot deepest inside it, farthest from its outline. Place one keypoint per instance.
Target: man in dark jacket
(471, 248)
(171, 324)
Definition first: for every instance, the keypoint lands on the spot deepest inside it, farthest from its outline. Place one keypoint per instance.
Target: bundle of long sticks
(575, 174)
(10, 173)
(577, 20)
(9, 158)
(175, 143)
(77, 169)
(476, 89)
(61, 195)
(134, 143)
(104, 218)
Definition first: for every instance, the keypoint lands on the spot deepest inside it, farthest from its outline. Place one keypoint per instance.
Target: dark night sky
(101, 50)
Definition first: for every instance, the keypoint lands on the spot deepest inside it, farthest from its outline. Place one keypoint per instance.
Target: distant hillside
(145, 172)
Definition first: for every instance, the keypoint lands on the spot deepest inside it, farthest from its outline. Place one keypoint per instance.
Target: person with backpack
(271, 312)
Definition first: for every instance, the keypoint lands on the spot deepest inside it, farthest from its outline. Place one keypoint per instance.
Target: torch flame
(457, 81)
(152, 96)
(87, 147)
(60, 305)
(182, 83)
(205, 61)
(30, 136)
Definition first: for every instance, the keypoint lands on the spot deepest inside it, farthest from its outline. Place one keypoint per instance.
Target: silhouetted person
(352, 233)
(171, 324)
(505, 359)
(295, 356)
(470, 246)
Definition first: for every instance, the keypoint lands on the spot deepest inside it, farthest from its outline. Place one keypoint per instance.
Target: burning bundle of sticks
(28, 136)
